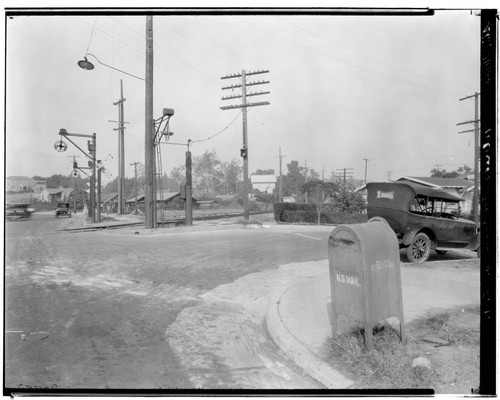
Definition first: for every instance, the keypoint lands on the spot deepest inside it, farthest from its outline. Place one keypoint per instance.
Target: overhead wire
(346, 62)
(218, 133)
(372, 58)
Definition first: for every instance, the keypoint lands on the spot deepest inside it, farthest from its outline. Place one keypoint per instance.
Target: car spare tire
(419, 248)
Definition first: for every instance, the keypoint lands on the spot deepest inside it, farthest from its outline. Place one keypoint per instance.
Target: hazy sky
(342, 89)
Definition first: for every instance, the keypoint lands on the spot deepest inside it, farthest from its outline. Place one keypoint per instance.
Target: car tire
(441, 252)
(419, 249)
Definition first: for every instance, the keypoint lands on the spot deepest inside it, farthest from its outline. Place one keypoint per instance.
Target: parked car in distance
(63, 210)
(18, 211)
(423, 218)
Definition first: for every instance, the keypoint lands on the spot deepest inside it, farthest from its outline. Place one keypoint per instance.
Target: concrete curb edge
(303, 357)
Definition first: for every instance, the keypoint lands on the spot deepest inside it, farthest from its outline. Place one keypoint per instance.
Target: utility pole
(389, 175)
(189, 190)
(366, 167)
(121, 150)
(476, 152)
(150, 168)
(98, 194)
(135, 177)
(347, 172)
(244, 106)
(281, 179)
(437, 167)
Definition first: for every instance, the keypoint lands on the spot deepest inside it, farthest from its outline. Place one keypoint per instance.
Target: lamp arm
(116, 69)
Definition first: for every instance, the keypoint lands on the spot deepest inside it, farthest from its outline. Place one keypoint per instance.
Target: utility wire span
(218, 133)
(346, 62)
(371, 58)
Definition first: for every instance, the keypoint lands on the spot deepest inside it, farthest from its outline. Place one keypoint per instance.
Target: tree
(465, 170)
(232, 175)
(347, 200)
(436, 173)
(263, 197)
(208, 176)
(318, 192)
(313, 175)
(178, 174)
(294, 179)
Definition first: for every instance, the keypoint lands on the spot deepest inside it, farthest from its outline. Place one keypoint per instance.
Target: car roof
(421, 189)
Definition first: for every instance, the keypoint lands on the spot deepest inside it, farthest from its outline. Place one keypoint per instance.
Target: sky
(342, 89)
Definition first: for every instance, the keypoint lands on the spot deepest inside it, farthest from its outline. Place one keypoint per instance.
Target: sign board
(106, 173)
(102, 163)
(365, 276)
(107, 159)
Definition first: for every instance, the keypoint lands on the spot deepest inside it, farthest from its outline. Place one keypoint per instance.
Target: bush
(307, 213)
(280, 208)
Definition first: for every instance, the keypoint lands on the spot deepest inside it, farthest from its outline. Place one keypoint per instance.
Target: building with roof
(24, 184)
(54, 195)
(263, 183)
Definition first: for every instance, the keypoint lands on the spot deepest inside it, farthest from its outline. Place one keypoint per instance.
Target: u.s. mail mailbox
(365, 276)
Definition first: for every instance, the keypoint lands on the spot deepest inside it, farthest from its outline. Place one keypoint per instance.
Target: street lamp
(150, 173)
(62, 146)
(86, 64)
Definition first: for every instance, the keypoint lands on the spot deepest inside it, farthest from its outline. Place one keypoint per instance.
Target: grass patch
(449, 341)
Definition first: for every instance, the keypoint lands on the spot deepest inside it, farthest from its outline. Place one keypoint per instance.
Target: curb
(303, 357)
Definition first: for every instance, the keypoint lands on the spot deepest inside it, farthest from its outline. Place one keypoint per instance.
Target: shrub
(307, 213)
(280, 208)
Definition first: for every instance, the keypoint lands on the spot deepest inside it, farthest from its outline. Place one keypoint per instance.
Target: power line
(345, 62)
(373, 59)
(218, 133)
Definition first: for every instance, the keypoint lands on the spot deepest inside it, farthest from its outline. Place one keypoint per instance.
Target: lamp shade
(85, 64)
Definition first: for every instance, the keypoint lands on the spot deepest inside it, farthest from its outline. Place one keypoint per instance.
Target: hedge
(307, 213)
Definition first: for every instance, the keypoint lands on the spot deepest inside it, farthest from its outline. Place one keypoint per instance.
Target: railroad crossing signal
(106, 173)
(60, 146)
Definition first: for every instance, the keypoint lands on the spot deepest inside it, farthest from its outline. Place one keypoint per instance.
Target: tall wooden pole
(244, 105)
(122, 153)
(150, 202)
(189, 190)
(246, 211)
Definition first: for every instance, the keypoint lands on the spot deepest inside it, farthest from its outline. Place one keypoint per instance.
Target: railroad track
(174, 222)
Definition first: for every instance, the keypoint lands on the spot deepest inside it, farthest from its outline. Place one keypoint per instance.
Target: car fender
(408, 236)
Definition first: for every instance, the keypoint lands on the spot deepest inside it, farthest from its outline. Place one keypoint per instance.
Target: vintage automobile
(63, 210)
(18, 211)
(423, 218)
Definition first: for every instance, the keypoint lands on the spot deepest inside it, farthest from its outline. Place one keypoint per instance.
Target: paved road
(116, 309)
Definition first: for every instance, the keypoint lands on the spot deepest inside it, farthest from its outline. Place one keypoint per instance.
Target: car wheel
(419, 249)
(441, 252)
